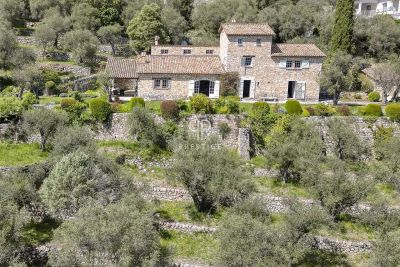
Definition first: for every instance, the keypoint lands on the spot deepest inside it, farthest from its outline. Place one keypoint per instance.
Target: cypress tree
(343, 28)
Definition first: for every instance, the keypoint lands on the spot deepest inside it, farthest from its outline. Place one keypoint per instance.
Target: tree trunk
(336, 97)
(113, 49)
(384, 96)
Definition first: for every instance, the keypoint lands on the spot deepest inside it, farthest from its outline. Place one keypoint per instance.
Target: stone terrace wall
(201, 125)
(364, 130)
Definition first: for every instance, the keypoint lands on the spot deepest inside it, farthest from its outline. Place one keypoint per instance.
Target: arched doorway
(205, 87)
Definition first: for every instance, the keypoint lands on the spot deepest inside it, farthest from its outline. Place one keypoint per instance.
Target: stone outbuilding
(267, 70)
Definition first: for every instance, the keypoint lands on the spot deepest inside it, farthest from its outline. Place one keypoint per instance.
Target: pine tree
(145, 26)
(343, 28)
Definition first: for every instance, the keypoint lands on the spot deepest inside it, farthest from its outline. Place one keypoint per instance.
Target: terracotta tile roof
(121, 68)
(180, 65)
(296, 50)
(246, 29)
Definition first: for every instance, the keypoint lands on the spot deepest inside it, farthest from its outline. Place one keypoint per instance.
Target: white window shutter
(241, 88)
(305, 64)
(300, 90)
(282, 64)
(191, 87)
(252, 89)
(216, 90)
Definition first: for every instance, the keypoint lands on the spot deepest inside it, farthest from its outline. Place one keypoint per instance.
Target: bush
(67, 102)
(310, 110)
(366, 85)
(10, 108)
(51, 75)
(343, 110)
(50, 88)
(324, 110)
(293, 107)
(169, 109)
(227, 105)
(224, 130)
(201, 104)
(100, 109)
(393, 111)
(229, 84)
(374, 110)
(28, 100)
(261, 107)
(136, 102)
(374, 96)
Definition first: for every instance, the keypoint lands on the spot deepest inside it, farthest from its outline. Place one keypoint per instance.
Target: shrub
(100, 109)
(136, 102)
(310, 110)
(373, 110)
(343, 110)
(227, 105)
(261, 107)
(305, 113)
(50, 87)
(201, 104)
(28, 100)
(293, 107)
(10, 108)
(393, 111)
(169, 109)
(324, 110)
(229, 84)
(76, 95)
(374, 96)
(67, 102)
(51, 75)
(183, 105)
(224, 130)
(366, 85)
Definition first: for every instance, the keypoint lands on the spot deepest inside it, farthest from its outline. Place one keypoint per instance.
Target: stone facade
(178, 88)
(268, 78)
(178, 49)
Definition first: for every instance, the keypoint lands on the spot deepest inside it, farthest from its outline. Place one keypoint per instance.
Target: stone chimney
(156, 39)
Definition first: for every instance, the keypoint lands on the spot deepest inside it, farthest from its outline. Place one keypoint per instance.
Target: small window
(248, 61)
(297, 64)
(209, 52)
(258, 42)
(164, 51)
(212, 86)
(197, 87)
(161, 83)
(240, 41)
(289, 64)
(187, 51)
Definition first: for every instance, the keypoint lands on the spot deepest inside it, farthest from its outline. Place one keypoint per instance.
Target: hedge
(136, 102)
(100, 109)
(261, 107)
(169, 109)
(374, 96)
(201, 104)
(293, 107)
(393, 111)
(67, 102)
(374, 110)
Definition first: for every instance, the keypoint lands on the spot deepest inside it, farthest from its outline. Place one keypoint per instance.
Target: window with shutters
(240, 41)
(209, 52)
(164, 51)
(297, 64)
(289, 64)
(258, 41)
(187, 51)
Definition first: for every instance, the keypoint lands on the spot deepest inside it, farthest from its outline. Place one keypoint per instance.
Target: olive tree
(43, 122)
(83, 45)
(292, 147)
(121, 234)
(110, 34)
(76, 180)
(45, 36)
(211, 173)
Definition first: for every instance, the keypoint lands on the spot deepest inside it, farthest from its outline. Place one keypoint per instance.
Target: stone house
(370, 8)
(267, 70)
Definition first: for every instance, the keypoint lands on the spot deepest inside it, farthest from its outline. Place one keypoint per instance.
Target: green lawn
(276, 187)
(20, 154)
(49, 99)
(195, 247)
(186, 212)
